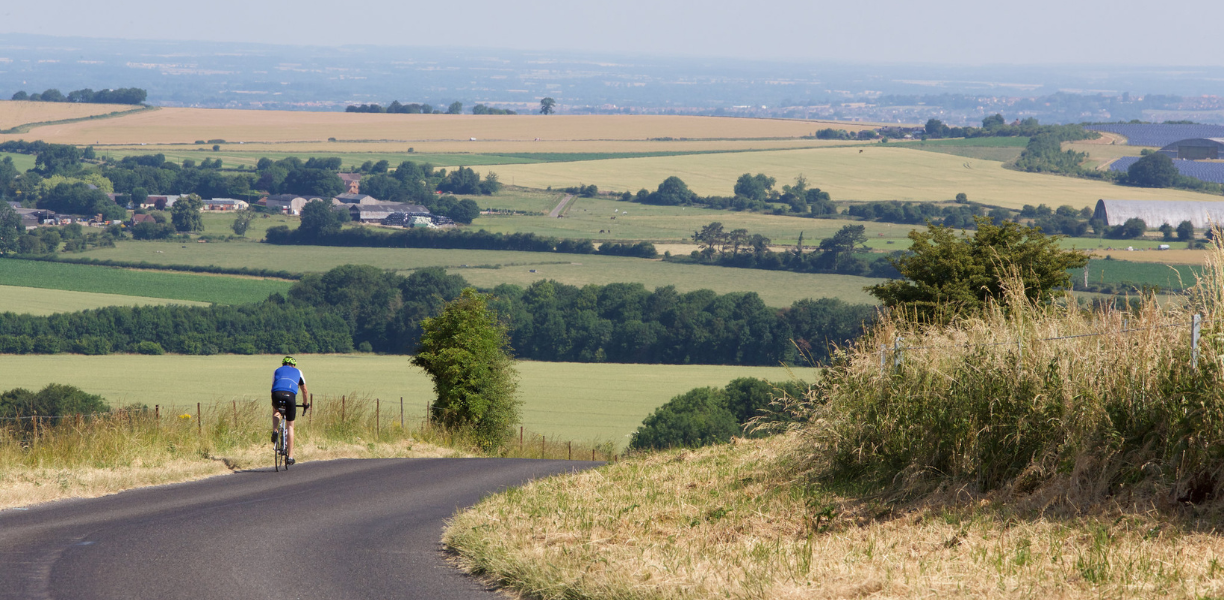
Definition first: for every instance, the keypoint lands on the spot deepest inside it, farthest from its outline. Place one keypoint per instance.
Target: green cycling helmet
(289, 360)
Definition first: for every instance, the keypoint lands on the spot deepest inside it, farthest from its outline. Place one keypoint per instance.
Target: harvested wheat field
(871, 173)
(186, 125)
(14, 113)
(253, 151)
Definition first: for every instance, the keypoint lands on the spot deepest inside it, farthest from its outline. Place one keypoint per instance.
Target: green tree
(456, 108)
(464, 350)
(319, 219)
(1154, 170)
(946, 274)
(993, 121)
(1185, 231)
(546, 106)
(242, 222)
(10, 229)
(755, 187)
(1166, 232)
(185, 214)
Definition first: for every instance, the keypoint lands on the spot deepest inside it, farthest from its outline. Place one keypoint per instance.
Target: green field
(23, 162)
(217, 223)
(776, 288)
(593, 218)
(1136, 273)
(42, 301)
(848, 173)
(1002, 149)
(127, 282)
(562, 400)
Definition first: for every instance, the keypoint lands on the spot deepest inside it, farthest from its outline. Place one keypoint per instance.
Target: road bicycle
(280, 451)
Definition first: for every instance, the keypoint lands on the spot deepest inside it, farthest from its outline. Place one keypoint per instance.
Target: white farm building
(1158, 212)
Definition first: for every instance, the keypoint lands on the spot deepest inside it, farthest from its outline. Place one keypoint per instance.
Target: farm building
(160, 202)
(377, 213)
(1159, 212)
(288, 203)
(224, 204)
(352, 182)
(354, 198)
(1195, 149)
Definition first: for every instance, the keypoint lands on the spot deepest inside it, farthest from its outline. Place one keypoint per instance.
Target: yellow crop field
(186, 125)
(1100, 155)
(40, 301)
(872, 173)
(14, 112)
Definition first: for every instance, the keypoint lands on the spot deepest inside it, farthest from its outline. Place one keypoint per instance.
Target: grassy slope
(151, 284)
(875, 173)
(729, 521)
(41, 301)
(561, 400)
(777, 288)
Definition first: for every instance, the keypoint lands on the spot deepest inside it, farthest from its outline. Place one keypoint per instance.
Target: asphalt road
(329, 530)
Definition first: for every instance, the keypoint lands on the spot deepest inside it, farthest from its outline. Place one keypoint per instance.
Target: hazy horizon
(881, 32)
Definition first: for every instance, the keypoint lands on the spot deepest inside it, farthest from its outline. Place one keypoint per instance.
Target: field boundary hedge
(126, 264)
(26, 127)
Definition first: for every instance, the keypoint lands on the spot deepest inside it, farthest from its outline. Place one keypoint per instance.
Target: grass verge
(55, 458)
(733, 521)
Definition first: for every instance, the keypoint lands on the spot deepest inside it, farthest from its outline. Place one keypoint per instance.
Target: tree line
(87, 96)
(369, 309)
(996, 126)
(618, 322)
(406, 109)
(845, 252)
(274, 326)
(751, 193)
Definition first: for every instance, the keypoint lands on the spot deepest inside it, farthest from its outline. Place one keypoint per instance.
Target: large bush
(464, 351)
(709, 415)
(53, 400)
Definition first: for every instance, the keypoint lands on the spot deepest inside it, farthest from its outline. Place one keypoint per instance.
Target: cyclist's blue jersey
(286, 379)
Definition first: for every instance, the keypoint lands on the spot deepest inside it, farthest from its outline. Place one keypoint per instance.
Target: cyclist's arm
(305, 393)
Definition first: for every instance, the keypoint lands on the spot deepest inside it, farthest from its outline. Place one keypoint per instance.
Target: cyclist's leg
(290, 416)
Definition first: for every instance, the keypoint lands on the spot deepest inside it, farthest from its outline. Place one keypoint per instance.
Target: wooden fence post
(401, 413)
(310, 417)
(542, 440)
(342, 409)
(570, 445)
(157, 412)
(520, 439)
(199, 420)
(235, 414)
(377, 415)
(592, 455)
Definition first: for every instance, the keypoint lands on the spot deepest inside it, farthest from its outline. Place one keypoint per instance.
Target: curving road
(330, 530)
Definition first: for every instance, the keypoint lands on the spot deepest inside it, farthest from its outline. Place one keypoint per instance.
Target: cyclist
(285, 383)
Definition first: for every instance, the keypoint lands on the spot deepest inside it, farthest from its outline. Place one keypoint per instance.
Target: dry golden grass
(186, 125)
(871, 173)
(258, 149)
(726, 521)
(14, 113)
(101, 455)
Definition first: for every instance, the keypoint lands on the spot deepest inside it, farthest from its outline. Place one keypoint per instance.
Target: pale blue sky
(873, 31)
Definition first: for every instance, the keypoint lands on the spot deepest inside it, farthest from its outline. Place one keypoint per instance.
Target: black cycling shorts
(286, 403)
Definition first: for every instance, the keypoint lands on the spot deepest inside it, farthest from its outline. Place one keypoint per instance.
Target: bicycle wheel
(278, 449)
